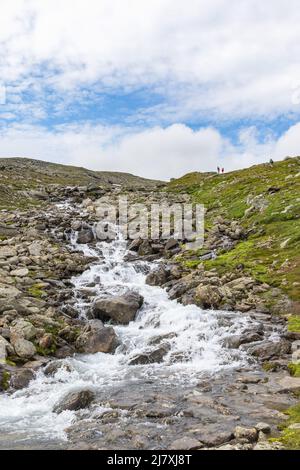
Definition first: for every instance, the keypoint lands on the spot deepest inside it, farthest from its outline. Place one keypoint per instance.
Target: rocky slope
(249, 263)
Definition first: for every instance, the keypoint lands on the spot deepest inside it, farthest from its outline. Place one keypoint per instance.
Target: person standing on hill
(218, 169)
(223, 170)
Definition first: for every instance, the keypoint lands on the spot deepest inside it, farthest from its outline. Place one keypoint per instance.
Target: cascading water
(195, 337)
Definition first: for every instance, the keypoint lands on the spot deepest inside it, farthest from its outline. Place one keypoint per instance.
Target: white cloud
(154, 153)
(205, 57)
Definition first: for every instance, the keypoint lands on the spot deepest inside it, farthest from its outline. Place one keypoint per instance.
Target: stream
(196, 356)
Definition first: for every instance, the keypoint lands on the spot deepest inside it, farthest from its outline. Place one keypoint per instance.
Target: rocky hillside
(25, 182)
(250, 263)
(252, 228)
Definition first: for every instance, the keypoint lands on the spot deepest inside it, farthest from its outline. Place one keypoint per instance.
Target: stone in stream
(21, 378)
(151, 357)
(54, 366)
(85, 236)
(97, 338)
(120, 309)
(158, 276)
(75, 401)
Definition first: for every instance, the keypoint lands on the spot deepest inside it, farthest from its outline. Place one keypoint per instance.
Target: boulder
(145, 248)
(21, 378)
(101, 339)
(207, 296)
(21, 272)
(249, 434)
(85, 236)
(171, 243)
(158, 276)
(120, 309)
(22, 328)
(75, 401)
(24, 348)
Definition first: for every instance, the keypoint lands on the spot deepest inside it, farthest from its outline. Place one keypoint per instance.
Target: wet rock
(151, 357)
(120, 309)
(64, 351)
(145, 248)
(21, 378)
(249, 434)
(75, 401)
(157, 277)
(85, 236)
(103, 339)
(54, 366)
(186, 443)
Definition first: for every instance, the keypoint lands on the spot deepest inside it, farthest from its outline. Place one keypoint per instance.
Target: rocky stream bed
(102, 345)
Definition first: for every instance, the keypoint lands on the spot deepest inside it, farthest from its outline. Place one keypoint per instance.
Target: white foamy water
(195, 336)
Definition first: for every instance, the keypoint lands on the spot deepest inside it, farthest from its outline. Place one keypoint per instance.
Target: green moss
(294, 323)
(46, 351)
(5, 380)
(36, 291)
(9, 362)
(270, 366)
(290, 438)
(294, 369)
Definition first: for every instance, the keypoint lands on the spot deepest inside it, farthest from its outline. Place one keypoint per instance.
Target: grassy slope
(261, 253)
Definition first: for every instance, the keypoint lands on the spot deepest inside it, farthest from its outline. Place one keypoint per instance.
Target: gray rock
(186, 443)
(171, 243)
(145, 248)
(249, 434)
(263, 427)
(24, 349)
(120, 309)
(85, 236)
(157, 277)
(75, 401)
(21, 378)
(270, 349)
(151, 357)
(97, 340)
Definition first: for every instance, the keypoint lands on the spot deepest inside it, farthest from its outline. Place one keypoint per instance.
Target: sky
(157, 88)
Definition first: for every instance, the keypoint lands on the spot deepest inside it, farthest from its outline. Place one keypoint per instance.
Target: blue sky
(156, 88)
